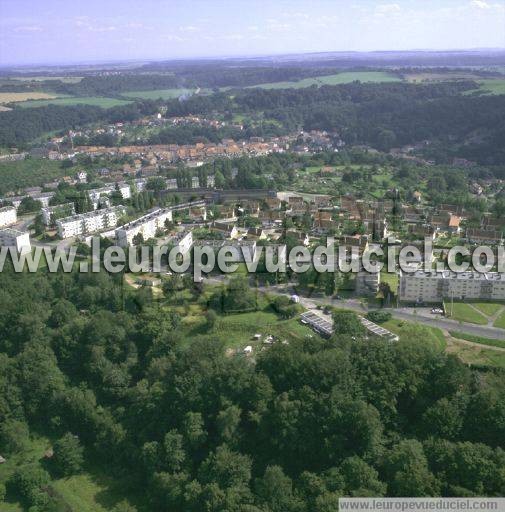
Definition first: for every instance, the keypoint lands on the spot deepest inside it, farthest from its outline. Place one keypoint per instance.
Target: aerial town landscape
(171, 381)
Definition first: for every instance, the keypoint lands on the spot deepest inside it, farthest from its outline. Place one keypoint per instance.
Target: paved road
(409, 314)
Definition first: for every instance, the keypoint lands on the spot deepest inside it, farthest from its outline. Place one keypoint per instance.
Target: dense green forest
(110, 377)
(20, 126)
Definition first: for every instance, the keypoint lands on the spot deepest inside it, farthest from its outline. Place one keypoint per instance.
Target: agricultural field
(421, 76)
(63, 79)
(489, 86)
(91, 100)
(16, 97)
(339, 78)
(164, 94)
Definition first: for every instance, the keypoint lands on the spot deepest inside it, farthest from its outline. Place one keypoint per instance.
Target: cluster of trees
(115, 380)
(20, 126)
(383, 115)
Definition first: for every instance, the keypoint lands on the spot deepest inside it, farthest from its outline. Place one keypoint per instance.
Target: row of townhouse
(435, 286)
(91, 222)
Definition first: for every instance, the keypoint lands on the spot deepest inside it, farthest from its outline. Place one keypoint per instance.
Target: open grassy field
(476, 355)
(90, 491)
(339, 78)
(164, 94)
(413, 332)
(488, 308)
(91, 100)
(490, 86)
(478, 339)
(500, 321)
(64, 79)
(426, 76)
(464, 313)
(11, 97)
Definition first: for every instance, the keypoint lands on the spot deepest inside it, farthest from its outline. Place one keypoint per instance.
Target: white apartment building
(147, 225)
(96, 193)
(20, 240)
(8, 216)
(91, 222)
(81, 176)
(236, 248)
(43, 198)
(183, 241)
(51, 214)
(171, 184)
(434, 286)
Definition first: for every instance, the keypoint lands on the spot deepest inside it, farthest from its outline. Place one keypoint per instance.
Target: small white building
(8, 216)
(20, 240)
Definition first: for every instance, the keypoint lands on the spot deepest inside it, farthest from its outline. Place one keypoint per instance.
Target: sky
(75, 31)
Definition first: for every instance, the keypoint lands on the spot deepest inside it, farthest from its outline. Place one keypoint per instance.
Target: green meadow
(91, 100)
(339, 78)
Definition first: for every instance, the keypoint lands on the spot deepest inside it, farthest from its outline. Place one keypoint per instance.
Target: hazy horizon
(55, 32)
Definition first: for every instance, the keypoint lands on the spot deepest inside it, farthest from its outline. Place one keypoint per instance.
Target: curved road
(407, 314)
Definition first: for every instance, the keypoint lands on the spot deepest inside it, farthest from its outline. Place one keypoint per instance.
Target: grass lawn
(478, 339)
(339, 78)
(414, 332)
(92, 492)
(477, 355)
(488, 308)
(464, 313)
(237, 330)
(91, 100)
(164, 94)
(391, 279)
(500, 321)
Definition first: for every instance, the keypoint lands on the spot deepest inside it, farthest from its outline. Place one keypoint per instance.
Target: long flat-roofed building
(20, 240)
(96, 193)
(147, 225)
(51, 214)
(91, 222)
(434, 286)
(8, 216)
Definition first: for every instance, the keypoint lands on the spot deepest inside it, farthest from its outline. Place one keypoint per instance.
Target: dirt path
(452, 340)
(490, 318)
